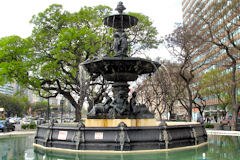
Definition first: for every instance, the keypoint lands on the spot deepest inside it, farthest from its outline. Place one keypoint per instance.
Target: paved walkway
(222, 132)
(17, 133)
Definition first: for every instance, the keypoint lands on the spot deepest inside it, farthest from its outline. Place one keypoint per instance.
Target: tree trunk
(190, 103)
(78, 114)
(200, 112)
(235, 106)
(90, 104)
(234, 117)
(77, 105)
(170, 109)
(189, 116)
(189, 111)
(159, 113)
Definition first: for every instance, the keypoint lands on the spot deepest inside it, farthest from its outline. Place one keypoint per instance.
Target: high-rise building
(8, 89)
(14, 89)
(205, 15)
(215, 20)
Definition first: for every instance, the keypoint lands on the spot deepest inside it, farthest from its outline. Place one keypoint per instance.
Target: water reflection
(16, 148)
(224, 147)
(219, 148)
(174, 155)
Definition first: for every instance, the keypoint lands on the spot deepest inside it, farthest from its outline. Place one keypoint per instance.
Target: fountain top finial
(120, 21)
(120, 7)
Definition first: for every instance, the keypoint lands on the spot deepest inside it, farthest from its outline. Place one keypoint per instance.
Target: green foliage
(32, 126)
(24, 126)
(215, 83)
(29, 126)
(40, 107)
(146, 38)
(13, 52)
(207, 125)
(48, 61)
(12, 105)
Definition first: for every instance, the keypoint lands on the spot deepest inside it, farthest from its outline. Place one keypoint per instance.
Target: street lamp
(61, 104)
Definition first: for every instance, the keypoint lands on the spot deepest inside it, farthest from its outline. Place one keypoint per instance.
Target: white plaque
(98, 135)
(62, 135)
(1, 109)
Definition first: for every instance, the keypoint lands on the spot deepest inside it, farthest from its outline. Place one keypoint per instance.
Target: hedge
(207, 125)
(29, 126)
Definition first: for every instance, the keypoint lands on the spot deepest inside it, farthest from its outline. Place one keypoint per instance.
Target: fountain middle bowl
(120, 68)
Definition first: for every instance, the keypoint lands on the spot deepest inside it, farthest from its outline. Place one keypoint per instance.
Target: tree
(182, 45)
(151, 94)
(13, 105)
(220, 28)
(40, 107)
(215, 84)
(160, 91)
(200, 103)
(173, 83)
(48, 61)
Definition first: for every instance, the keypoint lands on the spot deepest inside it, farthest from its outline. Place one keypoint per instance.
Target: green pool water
(219, 148)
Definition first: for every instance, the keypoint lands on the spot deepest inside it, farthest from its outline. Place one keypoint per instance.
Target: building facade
(8, 89)
(218, 22)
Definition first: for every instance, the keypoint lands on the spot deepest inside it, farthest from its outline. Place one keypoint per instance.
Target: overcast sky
(16, 14)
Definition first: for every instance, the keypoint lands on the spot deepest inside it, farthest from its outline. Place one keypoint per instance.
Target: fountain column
(120, 69)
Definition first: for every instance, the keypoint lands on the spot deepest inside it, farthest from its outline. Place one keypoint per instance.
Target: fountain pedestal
(115, 122)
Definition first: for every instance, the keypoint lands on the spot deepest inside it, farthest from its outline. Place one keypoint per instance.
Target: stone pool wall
(121, 138)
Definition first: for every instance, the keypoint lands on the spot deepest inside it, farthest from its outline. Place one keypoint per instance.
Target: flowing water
(219, 148)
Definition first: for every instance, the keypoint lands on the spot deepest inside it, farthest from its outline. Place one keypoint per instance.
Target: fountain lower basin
(120, 138)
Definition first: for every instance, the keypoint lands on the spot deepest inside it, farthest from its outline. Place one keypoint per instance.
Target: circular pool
(219, 147)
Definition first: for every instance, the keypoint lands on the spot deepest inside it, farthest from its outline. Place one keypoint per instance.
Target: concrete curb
(17, 133)
(222, 132)
(118, 152)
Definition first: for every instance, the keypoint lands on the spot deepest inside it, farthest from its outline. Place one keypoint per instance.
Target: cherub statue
(133, 103)
(101, 107)
(120, 45)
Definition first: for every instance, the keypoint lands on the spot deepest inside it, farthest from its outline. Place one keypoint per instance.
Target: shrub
(29, 126)
(207, 125)
(24, 126)
(32, 126)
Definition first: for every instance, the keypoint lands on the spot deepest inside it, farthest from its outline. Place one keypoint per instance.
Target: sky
(16, 14)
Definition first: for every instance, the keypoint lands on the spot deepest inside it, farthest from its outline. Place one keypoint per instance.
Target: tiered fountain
(119, 124)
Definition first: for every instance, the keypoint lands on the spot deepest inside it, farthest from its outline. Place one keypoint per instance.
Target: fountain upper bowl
(120, 21)
(120, 69)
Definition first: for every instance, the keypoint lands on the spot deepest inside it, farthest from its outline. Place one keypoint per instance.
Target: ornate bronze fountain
(120, 69)
(119, 124)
